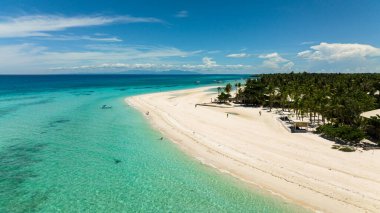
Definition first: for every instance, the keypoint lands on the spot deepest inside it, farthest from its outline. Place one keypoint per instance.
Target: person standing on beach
(260, 113)
(227, 115)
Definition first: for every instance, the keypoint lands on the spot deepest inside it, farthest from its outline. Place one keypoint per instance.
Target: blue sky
(237, 36)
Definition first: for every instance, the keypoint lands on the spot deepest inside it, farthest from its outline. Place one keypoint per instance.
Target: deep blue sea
(60, 152)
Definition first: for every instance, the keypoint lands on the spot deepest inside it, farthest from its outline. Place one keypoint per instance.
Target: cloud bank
(41, 25)
(83, 37)
(32, 58)
(341, 57)
(238, 55)
(275, 61)
(333, 52)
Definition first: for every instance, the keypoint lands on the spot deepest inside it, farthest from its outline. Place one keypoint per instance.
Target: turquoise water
(59, 152)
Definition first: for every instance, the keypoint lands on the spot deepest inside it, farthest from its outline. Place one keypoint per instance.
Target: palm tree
(237, 90)
(338, 99)
(219, 90)
(228, 88)
(270, 92)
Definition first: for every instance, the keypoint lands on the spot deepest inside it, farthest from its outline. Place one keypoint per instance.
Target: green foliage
(334, 98)
(373, 128)
(253, 93)
(223, 97)
(343, 132)
(339, 98)
(347, 149)
(219, 90)
(228, 88)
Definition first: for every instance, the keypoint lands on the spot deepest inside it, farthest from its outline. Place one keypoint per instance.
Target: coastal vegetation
(332, 102)
(224, 96)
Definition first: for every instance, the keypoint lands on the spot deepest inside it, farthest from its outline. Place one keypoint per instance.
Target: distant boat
(106, 107)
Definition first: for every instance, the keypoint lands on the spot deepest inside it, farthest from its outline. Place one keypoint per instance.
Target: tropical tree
(335, 99)
(219, 90)
(228, 88)
(223, 97)
(373, 128)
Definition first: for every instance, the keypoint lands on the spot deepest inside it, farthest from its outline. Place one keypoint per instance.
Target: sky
(253, 36)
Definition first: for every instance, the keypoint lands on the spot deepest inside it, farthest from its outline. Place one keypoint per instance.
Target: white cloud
(141, 51)
(84, 37)
(156, 67)
(18, 55)
(31, 58)
(275, 61)
(123, 66)
(307, 42)
(288, 66)
(210, 65)
(24, 57)
(238, 55)
(182, 14)
(209, 62)
(40, 25)
(333, 52)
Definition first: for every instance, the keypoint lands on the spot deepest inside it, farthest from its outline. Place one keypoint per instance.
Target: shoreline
(257, 150)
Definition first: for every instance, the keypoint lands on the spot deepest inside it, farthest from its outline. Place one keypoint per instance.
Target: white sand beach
(301, 167)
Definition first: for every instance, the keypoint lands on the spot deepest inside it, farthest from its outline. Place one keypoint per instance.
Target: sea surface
(60, 152)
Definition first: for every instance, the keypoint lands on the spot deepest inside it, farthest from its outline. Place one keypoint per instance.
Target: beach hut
(372, 113)
(300, 126)
(373, 127)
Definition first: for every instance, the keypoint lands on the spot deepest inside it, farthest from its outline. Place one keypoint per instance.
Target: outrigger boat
(106, 107)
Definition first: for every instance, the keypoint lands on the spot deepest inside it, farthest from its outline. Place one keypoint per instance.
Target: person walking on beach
(227, 115)
(260, 113)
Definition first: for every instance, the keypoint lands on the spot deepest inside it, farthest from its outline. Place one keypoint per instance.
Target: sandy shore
(257, 149)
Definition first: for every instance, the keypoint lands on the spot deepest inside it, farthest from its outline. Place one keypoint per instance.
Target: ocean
(60, 152)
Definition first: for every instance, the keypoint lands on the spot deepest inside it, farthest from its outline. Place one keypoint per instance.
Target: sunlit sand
(257, 149)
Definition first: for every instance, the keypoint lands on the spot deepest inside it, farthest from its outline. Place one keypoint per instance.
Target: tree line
(334, 101)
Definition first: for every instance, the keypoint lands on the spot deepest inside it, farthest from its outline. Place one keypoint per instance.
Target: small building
(300, 126)
(370, 114)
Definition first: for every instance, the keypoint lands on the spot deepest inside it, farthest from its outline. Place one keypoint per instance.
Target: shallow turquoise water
(59, 152)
